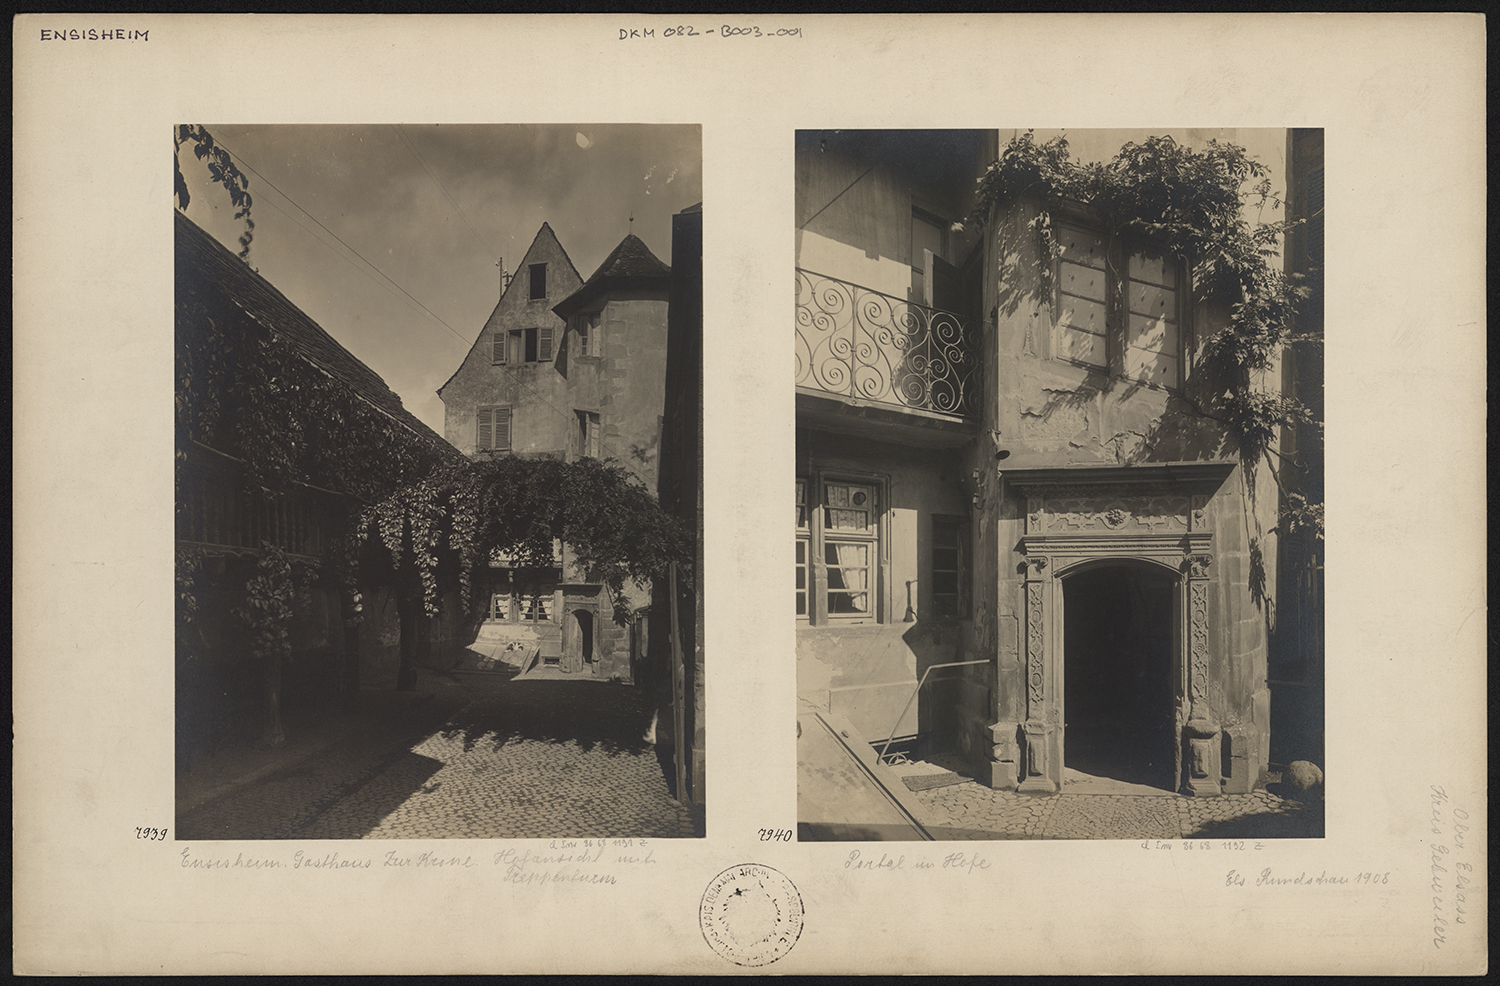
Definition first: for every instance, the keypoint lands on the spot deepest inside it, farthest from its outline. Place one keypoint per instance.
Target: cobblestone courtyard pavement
(971, 810)
(489, 758)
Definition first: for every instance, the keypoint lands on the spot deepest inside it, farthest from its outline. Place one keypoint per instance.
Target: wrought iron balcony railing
(862, 344)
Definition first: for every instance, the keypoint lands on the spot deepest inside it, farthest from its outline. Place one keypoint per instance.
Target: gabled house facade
(567, 368)
(1013, 540)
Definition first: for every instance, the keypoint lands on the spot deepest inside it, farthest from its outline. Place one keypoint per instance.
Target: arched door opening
(583, 640)
(1120, 671)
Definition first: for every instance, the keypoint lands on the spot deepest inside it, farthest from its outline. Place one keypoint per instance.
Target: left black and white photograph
(438, 405)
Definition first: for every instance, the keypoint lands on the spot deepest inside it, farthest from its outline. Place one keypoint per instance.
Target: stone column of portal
(1038, 732)
(1201, 732)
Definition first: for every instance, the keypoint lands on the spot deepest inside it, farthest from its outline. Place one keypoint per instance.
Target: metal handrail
(920, 682)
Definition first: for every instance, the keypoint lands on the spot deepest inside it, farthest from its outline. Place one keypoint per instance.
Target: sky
(434, 208)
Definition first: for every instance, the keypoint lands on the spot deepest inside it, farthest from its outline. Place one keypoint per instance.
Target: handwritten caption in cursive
(721, 31)
(954, 862)
(574, 861)
(1453, 877)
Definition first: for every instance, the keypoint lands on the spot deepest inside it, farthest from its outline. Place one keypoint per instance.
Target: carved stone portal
(1159, 515)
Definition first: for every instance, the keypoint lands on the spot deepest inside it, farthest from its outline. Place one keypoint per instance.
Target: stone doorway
(1121, 669)
(578, 642)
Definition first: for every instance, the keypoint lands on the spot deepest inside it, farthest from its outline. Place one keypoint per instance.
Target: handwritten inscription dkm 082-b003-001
(717, 31)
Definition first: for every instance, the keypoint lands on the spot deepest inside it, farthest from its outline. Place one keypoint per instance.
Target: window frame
(812, 538)
(533, 272)
(1120, 254)
(515, 606)
(588, 326)
(588, 433)
(962, 570)
(480, 424)
(518, 347)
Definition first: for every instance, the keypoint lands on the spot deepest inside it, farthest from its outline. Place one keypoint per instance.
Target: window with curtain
(837, 550)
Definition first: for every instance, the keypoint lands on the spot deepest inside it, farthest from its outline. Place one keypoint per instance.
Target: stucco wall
(867, 671)
(542, 419)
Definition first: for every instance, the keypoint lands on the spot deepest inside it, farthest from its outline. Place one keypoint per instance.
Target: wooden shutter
(502, 427)
(544, 343)
(497, 354)
(486, 437)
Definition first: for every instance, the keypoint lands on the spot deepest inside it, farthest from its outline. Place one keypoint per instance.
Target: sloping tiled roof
(631, 264)
(203, 259)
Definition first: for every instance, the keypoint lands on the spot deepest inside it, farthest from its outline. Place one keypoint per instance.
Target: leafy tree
(438, 533)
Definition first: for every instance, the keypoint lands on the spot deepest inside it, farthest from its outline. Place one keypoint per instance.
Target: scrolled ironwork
(859, 343)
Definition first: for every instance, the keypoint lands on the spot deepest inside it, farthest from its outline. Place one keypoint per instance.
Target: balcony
(865, 347)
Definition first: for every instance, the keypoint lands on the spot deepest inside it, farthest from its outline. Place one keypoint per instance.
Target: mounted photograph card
(424, 494)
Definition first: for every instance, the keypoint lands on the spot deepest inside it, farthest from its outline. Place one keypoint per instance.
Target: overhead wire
(411, 146)
(467, 342)
(251, 168)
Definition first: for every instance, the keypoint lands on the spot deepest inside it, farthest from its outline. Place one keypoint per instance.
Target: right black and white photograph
(1059, 484)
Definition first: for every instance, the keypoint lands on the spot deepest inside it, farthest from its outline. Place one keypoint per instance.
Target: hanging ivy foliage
(221, 169)
(441, 530)
(250, 393)
(1192, 203)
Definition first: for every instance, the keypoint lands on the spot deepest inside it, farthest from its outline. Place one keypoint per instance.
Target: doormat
(926, 782)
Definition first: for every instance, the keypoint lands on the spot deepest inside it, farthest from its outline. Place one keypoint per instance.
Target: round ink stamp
(751, 914)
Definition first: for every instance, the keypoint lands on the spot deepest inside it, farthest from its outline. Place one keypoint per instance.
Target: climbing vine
(442, 529)
(267, 611)
(1191, 203)
(221, 169)
(250, 393)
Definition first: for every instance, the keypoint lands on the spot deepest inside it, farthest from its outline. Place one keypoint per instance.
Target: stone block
(1304, 780)
(1242, 745)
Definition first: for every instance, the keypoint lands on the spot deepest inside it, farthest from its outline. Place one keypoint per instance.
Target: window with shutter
(493, 430)
(950, 570)
(1120, 308)
(502, 428)
(486, 436)
(544, 343)
(498, 348)
(531, 345)
(587, 327)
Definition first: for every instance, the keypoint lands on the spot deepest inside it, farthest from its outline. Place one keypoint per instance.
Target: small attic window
(538, 281)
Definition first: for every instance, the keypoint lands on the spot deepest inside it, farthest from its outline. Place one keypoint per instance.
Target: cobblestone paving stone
(973, 811)
(522, 759)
